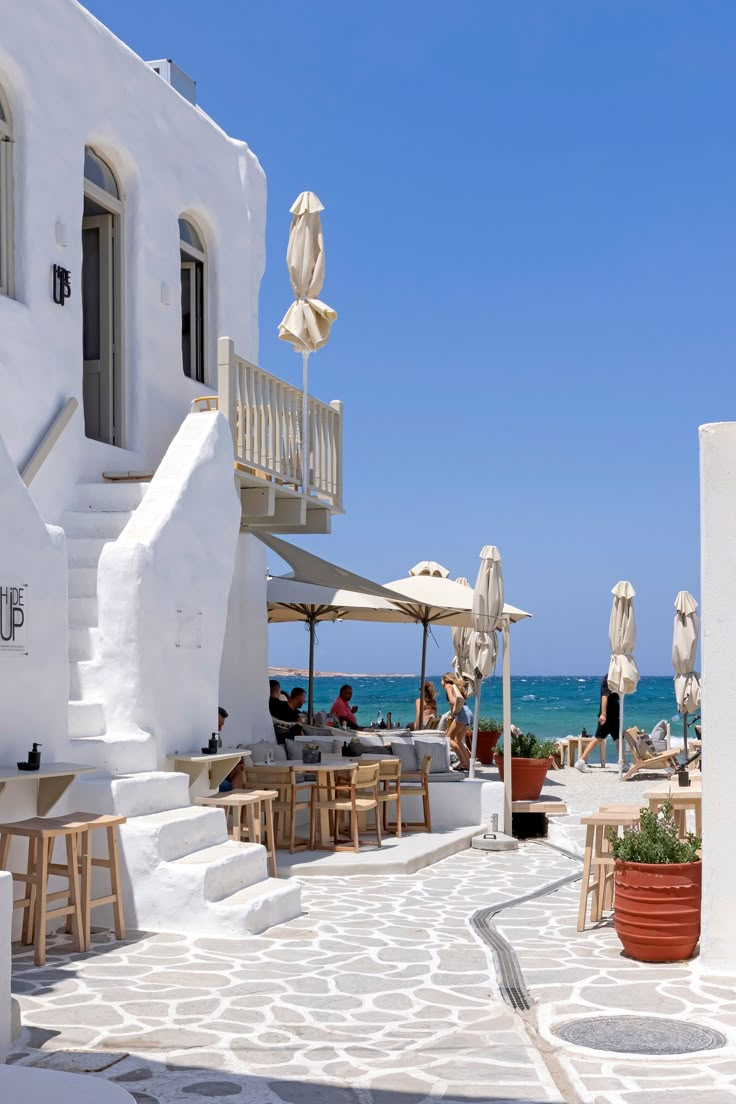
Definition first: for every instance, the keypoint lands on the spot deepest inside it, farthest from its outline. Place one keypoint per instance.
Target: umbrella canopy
(306, 324)
(623, 676)
(684, 649)
(487, 616)
(291, 600)
(461, 644)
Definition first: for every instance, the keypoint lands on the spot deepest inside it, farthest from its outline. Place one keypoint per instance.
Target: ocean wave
(528, 697)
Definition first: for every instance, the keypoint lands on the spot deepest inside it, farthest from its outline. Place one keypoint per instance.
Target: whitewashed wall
(163, 590)
(244, 670)
(71, 83)
(6, 909)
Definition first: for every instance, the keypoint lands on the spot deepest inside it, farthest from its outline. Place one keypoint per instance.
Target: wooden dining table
(681, 798)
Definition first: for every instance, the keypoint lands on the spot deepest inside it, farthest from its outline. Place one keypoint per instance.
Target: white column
(718, 606)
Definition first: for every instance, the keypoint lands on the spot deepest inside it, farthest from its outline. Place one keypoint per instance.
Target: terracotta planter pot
(486, 746)
(657, 909)
(527, 776)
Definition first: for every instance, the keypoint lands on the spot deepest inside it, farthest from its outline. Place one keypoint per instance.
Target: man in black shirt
(608, 722)
(288, 710)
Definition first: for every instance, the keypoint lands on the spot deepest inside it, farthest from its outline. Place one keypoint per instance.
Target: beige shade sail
(684, 650)
(306, 324)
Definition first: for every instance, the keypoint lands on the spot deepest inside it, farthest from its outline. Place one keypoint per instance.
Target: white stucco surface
(718, 647)
(6, 909)
(170, 160)
(162, 590)
(34, 669)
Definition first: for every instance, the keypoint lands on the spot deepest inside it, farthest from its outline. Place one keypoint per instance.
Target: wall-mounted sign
(188, 629)
(13, 620)
(62, 285)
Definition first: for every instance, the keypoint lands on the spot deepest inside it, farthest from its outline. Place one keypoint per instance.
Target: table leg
(267, 806)
(585, 884)
(324, 816)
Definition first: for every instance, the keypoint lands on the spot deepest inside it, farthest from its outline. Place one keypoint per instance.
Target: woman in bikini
(430, 705)
(460, 717)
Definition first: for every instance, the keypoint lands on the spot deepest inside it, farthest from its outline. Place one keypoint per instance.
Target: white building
(131, 242)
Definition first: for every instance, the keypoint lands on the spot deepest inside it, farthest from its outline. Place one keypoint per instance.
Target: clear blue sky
(531, 246)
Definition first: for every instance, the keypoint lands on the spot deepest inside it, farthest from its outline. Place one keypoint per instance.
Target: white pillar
(718, 606)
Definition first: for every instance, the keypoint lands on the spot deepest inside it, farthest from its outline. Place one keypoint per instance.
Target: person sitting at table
(430, 705)
(342, 709)
(274, 694)
(287, 715)
(236, 778)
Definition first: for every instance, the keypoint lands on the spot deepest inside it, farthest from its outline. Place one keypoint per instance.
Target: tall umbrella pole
(622, 698)
(305, 428)
(684, 734)
(506, 729)
(310, 700)
(476, 717)
(425, 632)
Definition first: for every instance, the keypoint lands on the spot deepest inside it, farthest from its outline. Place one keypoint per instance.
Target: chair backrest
(390, 769)
(266, 777)
(432, 722)
(632, 739)
(426, 763)
(366, 775)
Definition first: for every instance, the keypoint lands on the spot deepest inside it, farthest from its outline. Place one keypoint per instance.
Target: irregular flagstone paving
(379, 994)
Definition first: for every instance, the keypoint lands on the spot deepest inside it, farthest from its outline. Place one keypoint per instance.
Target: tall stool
(598, 862)
(86, 824)
(41, 834)
(252, 818)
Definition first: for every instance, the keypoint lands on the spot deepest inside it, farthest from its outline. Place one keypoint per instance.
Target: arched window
(193, 285)
(102, 301)
(6, 199)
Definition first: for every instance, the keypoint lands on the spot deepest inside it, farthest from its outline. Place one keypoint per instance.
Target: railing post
(227, 392)
(337, 407)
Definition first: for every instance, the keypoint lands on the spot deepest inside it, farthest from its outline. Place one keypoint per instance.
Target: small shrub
(489, 724)
(655, 840)
(525, 745)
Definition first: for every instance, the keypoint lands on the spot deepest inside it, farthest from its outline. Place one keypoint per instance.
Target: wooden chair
(250, 817)
(645, 760)
(41, 834)
(86, 825)
(355, 793)
(389, 790)
(598, 862)
(288, 803)
(416, 784)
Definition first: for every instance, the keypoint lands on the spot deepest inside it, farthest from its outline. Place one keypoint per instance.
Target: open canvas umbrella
(291, 600)
(623, 676)
(487, 615)
(306, 324)
(684, 649)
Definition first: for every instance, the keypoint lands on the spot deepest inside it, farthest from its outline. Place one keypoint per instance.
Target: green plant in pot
(657, 888)
(489, 733)
(312, 753)
(532, 758)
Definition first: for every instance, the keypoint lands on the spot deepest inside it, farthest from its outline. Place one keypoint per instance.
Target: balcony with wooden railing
(265, 418)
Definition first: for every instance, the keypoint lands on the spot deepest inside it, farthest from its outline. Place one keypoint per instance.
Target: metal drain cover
(640, 1035)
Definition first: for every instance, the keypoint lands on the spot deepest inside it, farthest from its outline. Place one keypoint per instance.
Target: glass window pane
(189, 235)
(99, 173)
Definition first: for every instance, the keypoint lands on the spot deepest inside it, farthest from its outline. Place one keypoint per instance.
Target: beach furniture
(646, 760)
(416, 784)
(251, 818)
(389, 791)
(292, 798)
(598, 862)
(682, 799)
(354, 792)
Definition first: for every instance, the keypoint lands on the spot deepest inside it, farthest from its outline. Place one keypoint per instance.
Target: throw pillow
(436, 746)
(407, 754)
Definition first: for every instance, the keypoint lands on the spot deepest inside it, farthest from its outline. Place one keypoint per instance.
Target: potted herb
(657, 888)
(489, 733)
(532, 758)
(312, 753)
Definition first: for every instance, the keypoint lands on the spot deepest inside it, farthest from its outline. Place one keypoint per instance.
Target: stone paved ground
(379, 994)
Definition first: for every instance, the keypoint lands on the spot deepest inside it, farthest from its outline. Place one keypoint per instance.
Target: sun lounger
(644, 759)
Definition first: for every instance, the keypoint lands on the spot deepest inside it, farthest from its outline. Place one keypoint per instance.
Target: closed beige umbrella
(461, 644)
(623, 675)
(684, 650)
(306, 324)
(487, 617)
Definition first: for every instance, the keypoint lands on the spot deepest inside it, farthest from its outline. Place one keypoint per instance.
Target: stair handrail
(49, 439)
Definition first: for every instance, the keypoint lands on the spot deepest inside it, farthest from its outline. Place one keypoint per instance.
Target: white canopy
(487, 616)
(623, 675)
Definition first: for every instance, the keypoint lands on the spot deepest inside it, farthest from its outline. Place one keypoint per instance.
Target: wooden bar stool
(86, 824)
(598, 863)
(252, 818)
(41, 834)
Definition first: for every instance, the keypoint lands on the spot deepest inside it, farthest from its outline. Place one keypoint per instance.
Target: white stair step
(82, 612)
(84, 551)
(86, 719)
(95, 523)
(177, 832)
(81, 643)
(260, 906)
(110, 496)
(137, 796)
(83, 679)
(223, 869)
(82, 582)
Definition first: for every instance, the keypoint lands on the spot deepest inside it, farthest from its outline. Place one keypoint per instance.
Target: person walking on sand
(608, 723)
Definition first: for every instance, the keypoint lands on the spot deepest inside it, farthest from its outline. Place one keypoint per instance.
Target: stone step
(262, 905)
(134, 795)
(222, 870)
(82, 612)
(81, 643)
(84, 551)
(116, 753)
(84, 678)
(112, 497)
(86, 718)
(83, 582)
(95, 523)
(177, 832)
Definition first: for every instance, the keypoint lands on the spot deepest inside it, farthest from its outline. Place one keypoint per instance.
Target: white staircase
(181, 872)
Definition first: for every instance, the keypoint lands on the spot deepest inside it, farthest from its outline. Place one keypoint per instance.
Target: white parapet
(718, 605)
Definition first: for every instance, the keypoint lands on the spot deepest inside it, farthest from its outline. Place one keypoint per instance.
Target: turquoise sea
(549, 706)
